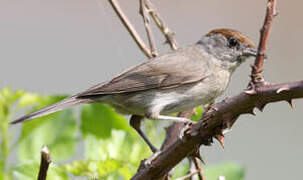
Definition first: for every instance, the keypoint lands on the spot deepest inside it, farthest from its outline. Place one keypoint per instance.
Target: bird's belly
(190, 98)
(167, 101)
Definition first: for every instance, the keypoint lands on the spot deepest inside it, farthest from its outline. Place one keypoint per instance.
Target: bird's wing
(166, 71)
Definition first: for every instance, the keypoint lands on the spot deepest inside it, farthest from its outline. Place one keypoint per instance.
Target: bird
(172, 82)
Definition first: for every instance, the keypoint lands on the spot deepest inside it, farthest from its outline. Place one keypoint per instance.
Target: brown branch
(45, 161)
(146, 20)
(264, 34)
(169, 35)
(130, 28)
(198, 167)
(215, 121)
(188, 175)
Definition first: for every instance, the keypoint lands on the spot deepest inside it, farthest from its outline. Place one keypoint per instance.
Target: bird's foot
(185, 129)
(149, 161)
(210, 108)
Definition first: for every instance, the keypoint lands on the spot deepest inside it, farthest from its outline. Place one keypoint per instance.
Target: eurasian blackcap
(176, 81)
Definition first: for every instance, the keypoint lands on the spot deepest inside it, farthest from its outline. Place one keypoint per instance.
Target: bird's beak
(250, 52)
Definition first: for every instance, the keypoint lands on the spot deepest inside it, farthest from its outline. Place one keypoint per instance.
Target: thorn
(229, 124)
(220, 138)
(165, 42)
(166, 129)
(290, 103)
(197, 155)
(261, 107)
(250, 92)
(220, 133)
(282, 89)
(252, 66)
(225, 99)
(252, 112)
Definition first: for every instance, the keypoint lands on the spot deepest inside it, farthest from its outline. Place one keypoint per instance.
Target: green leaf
(57, 131)
(7, 100)
(197, 116)
(82, 168)
(100, 119)
(9, 96)
(117, 156)
(29, 99)
(38, 102)
(107, 167)
(230, 170)
(29, 171)
(1, 169)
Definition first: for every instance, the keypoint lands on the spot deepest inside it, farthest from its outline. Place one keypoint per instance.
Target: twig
(144, 13)
(169, 35)
(197, 164)
(188, 175)
(45, 161)
(153, 52)
(130, 28)
(256, 76)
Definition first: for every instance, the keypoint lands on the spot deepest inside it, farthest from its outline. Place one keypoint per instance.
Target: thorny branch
(215, 121)
(264, 34)
(224, 114)
(45, 161)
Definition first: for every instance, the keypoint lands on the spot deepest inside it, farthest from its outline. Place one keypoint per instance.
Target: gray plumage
(173, 82)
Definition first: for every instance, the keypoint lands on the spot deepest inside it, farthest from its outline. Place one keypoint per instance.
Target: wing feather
(173, 69)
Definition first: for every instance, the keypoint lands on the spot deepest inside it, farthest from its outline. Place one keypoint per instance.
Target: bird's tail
(61, 105)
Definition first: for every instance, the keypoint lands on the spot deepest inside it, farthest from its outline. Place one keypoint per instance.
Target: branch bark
(45, 161)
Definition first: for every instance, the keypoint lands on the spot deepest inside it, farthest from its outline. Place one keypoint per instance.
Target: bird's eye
(232, 43)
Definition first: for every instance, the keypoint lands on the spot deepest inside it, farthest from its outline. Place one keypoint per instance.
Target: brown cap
(230, 33)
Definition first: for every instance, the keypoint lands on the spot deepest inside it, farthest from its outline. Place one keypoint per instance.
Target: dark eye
(232, 43)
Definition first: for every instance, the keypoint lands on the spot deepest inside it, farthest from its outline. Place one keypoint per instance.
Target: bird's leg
(188, 123)
(135, 122)
(170, 118)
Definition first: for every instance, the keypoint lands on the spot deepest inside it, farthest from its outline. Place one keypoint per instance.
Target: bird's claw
(185, 129)
(149, 161)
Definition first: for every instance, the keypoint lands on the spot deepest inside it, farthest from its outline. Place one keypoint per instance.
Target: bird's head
(228, 46)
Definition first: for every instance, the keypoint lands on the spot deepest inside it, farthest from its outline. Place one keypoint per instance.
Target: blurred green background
(66, 46)
(112, 150)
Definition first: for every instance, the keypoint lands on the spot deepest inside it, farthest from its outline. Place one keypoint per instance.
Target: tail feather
(61, 105)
